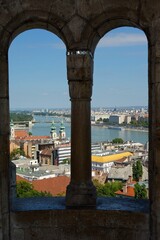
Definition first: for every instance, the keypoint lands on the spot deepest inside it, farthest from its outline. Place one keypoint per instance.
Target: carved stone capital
(79, 66)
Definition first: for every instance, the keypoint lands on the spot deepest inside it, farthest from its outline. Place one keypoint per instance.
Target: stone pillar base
(81, 195)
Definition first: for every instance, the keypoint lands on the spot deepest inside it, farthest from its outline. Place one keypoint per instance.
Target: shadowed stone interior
(80, 24)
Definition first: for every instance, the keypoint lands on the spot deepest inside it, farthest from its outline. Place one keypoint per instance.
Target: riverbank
(137, 129)
(99, 133)
(120, 128)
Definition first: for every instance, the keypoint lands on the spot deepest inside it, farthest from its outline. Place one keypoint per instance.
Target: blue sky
(38, 79)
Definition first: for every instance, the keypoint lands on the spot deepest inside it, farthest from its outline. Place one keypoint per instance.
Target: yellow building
(104, 163)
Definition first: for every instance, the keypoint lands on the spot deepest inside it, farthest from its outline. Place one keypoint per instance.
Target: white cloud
(123, 39)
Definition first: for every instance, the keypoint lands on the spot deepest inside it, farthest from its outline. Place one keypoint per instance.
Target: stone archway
(80, 24)
(17, 25)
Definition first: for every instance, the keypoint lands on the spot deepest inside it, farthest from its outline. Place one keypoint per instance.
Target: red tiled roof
(56, 185)
(21, 134)
(130, 192)
(19, 178)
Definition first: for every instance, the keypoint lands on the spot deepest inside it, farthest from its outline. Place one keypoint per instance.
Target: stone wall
(111, 219)
(81, 24)
(79, 224)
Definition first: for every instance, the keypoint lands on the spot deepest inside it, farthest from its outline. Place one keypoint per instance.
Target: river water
(99, 134)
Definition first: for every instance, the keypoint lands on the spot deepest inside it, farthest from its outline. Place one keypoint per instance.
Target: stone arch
(94, 16)
(94, 35)
(22, 22)
(31, 20)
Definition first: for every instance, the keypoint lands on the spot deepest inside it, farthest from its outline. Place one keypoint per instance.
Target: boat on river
(116, 128)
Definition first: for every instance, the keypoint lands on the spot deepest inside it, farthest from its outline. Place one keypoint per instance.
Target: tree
(23, 116)
(16, 153)
(25, 189)
(99, 120)
(106, 120)
(117, 140)
(66, 161)
(140, 191)
(107, 189)
(137, 170)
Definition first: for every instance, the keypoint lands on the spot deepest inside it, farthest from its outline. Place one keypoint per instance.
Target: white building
(100, 116)
(127, 119)
(103, 164)
(64, 152)
(117, 119)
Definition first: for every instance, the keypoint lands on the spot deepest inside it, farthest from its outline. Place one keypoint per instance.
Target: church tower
(12, 132)
(53, 131)
(62, 133)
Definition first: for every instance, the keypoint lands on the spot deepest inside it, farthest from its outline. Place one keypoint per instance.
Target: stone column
(4, 147)
(81, 191)
(154, 135)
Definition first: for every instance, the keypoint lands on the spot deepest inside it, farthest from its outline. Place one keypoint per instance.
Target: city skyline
(38, 77)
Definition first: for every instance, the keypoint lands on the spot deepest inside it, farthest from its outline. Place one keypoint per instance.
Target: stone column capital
(80, 74)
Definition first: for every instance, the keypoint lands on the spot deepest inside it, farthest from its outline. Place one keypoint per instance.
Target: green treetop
(25, 189)
(137, 170)
(117, 140)
(140, 191)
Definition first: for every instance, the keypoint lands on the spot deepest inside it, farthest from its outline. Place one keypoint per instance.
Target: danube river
(99, 134)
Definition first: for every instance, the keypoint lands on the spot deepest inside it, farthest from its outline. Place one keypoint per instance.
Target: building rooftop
(19, 134)
(129, 192)
(111, 158)
(120, 173)
(55, 185)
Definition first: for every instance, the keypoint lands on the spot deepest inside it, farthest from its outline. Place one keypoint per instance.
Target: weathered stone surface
(80, 90)
(89, 9)
(80, 24)
(80, 66)
(64, 9)
(82, 195)
(84, 224)
(76, 25)
(37, 5)
(4, 78)
(18, 234)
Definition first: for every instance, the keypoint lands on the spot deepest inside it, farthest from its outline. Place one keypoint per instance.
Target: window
(39, 95)
(120, 100)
